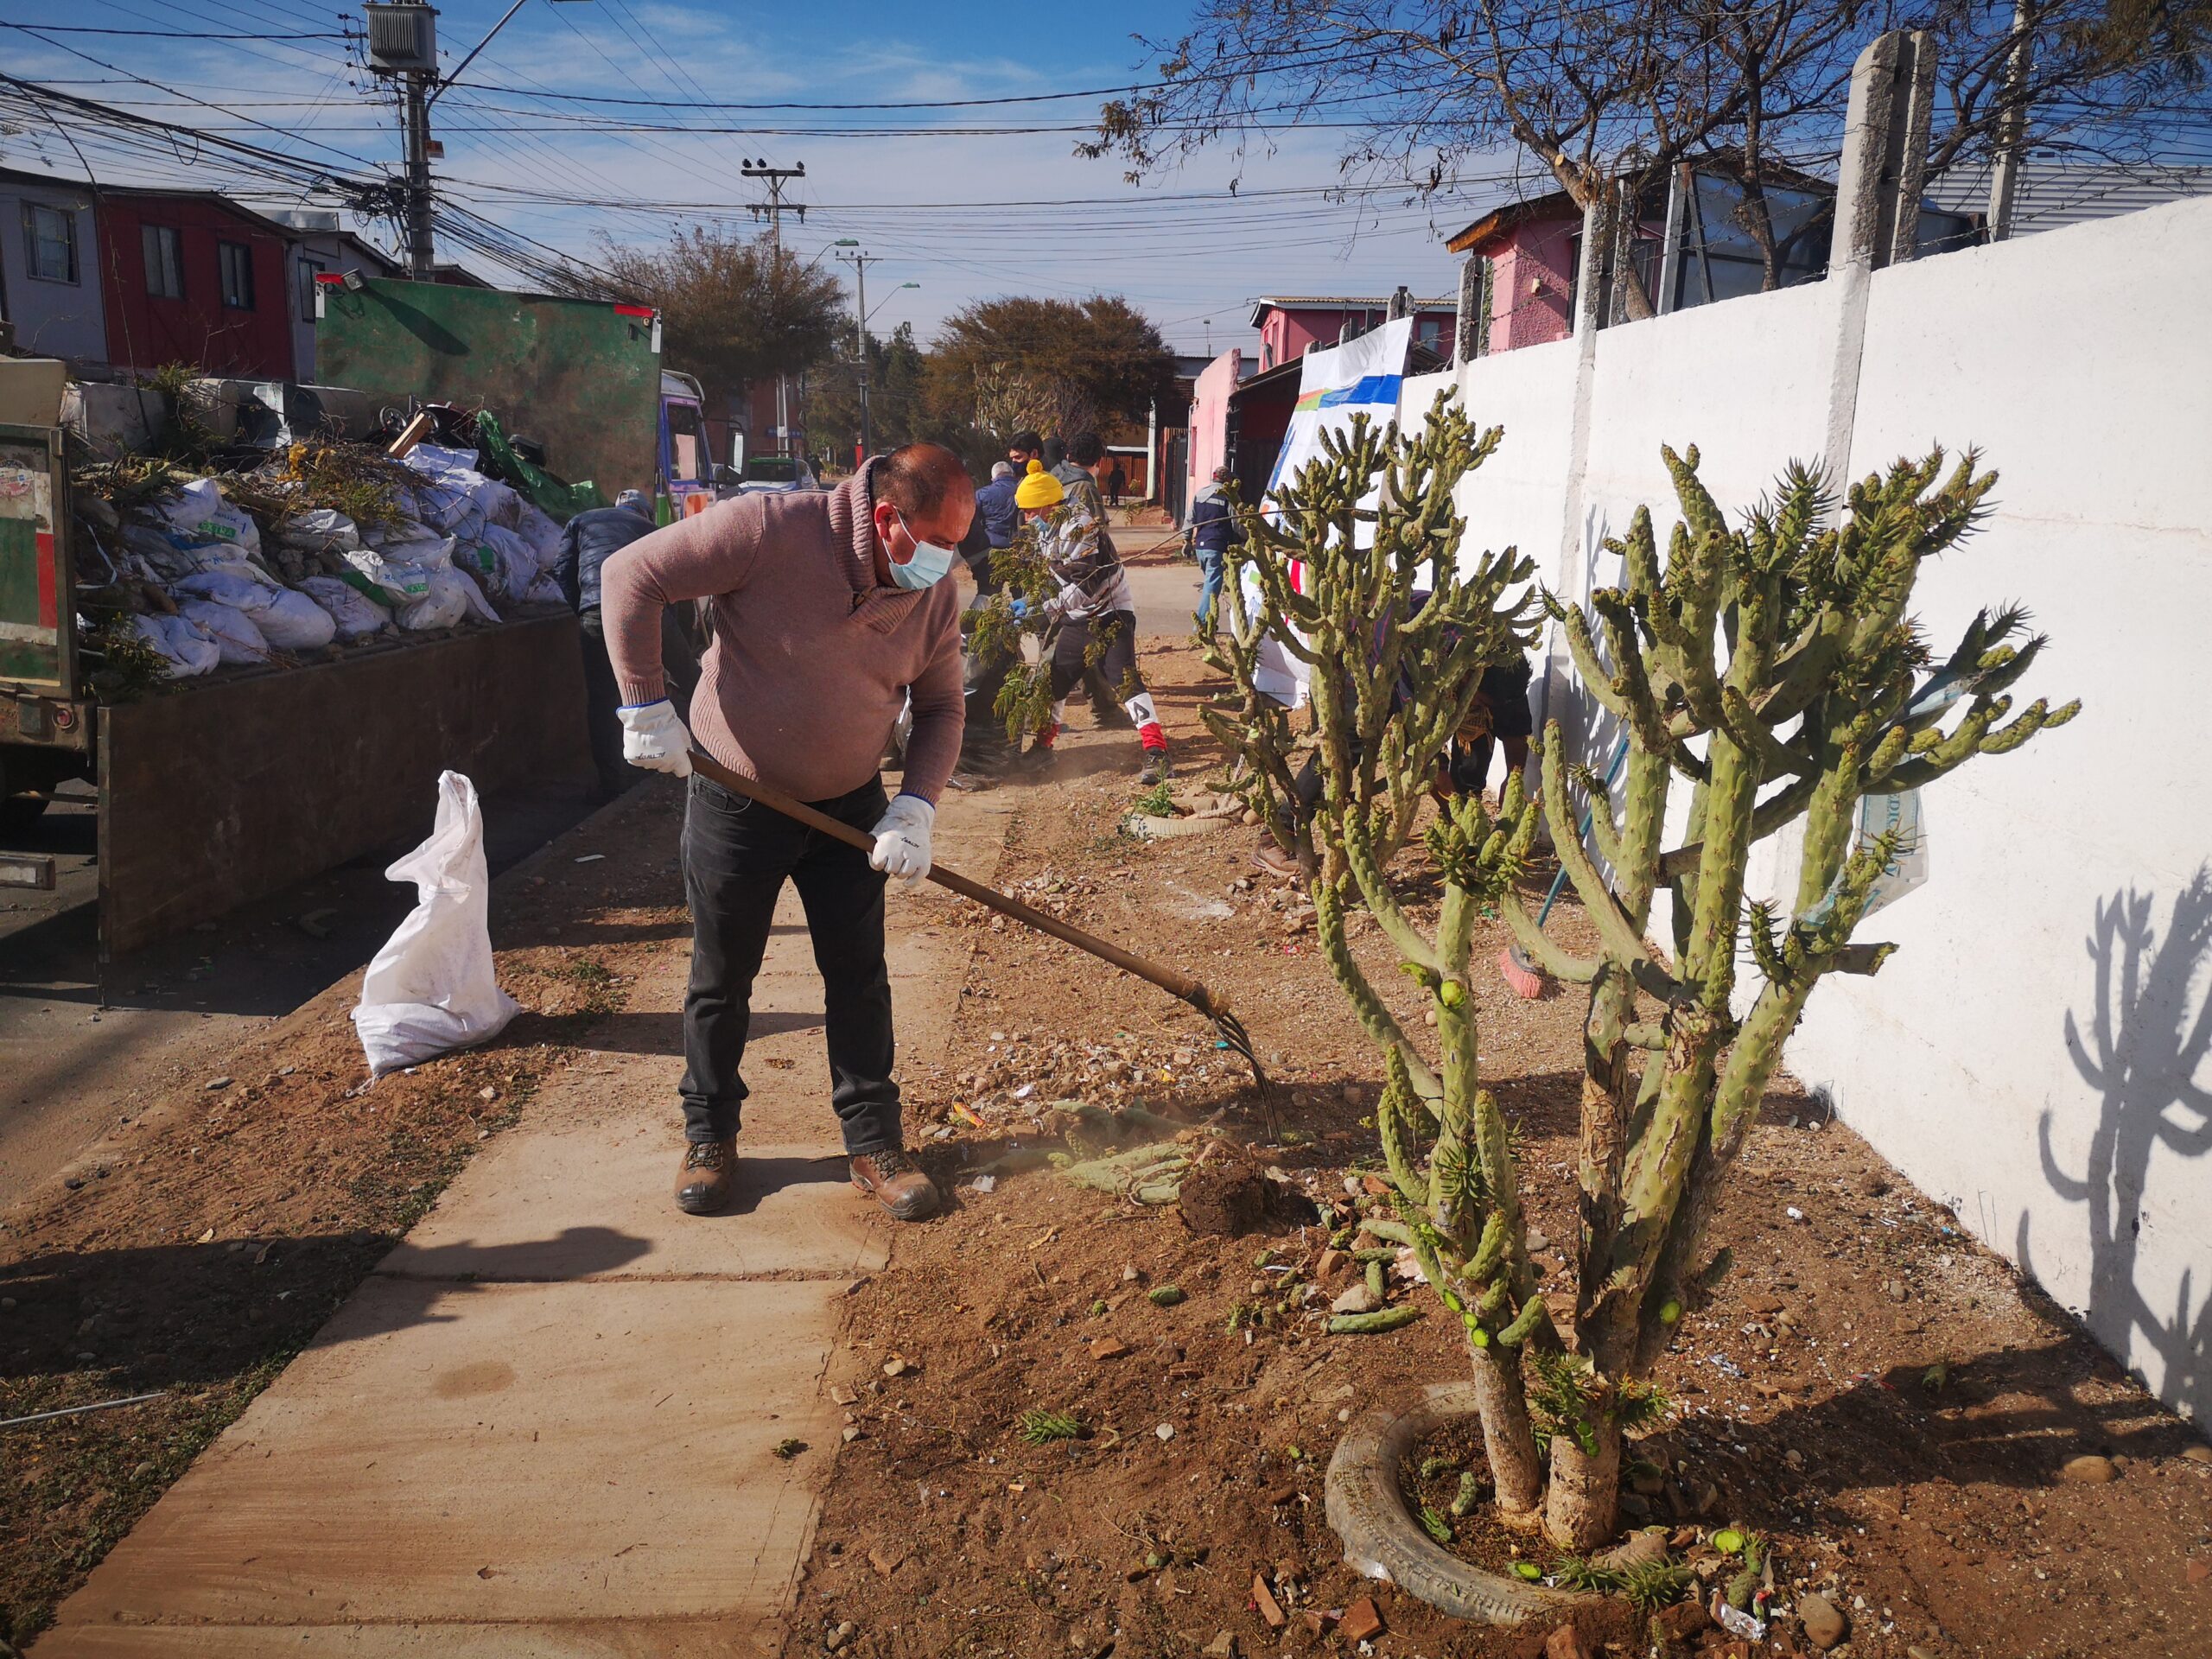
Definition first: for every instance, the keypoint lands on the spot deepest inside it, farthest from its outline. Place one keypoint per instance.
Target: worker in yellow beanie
(1039, 489)
(1094, 604)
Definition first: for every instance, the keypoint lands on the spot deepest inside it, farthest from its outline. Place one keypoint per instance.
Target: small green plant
(1158, 802)
(1751, 1575)
(788, 1449)
(1041, 1427)
(1649, 1585)
(1434, 1523)
(1165, 1295)
(1470, 1493)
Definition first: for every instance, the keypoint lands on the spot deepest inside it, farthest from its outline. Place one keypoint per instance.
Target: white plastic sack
(403, 581)
(450, 599)
(431, 989)
(184, 644)
(407, 541)
(287, 620)
(197, 513)
(321, 530)
(536, 526)
(170, 556)
(504, 561)
(455, 497)
(233, 631)
(354, 614)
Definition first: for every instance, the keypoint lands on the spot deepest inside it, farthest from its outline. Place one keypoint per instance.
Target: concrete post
(1876, 203)
(2012, 125)
(1470, 319)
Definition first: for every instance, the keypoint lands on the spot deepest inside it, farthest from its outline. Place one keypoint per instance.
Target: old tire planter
(1383, 1539)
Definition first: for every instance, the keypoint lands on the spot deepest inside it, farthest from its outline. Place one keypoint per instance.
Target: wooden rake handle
(1175, 984)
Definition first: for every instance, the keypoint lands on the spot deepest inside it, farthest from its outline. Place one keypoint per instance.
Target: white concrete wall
(2035, 1054)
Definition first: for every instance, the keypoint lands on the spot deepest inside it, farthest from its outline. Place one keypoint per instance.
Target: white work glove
(653, 737)
(902, 839)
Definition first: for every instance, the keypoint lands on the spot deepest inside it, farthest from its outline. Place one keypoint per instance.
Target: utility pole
(404, 44)
(860, 262)
(773, 209)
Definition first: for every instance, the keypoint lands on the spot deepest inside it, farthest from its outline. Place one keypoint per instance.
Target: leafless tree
(1604, 95)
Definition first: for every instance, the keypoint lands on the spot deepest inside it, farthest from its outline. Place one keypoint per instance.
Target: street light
(880, 305)
(860, 262)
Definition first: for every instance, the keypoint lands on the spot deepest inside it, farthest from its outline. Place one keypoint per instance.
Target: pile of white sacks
(463, 540)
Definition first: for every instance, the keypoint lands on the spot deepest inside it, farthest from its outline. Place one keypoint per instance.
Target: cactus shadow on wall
(2143, 1047)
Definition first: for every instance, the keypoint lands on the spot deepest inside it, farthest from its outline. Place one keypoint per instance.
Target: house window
(1721, 258)
(164, 251)
(235, 260)
(50, 243)
(309, 270)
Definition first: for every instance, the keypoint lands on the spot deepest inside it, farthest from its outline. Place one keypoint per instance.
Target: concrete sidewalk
(546, 1425)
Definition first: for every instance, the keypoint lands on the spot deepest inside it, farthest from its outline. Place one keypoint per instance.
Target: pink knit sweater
(812, 660)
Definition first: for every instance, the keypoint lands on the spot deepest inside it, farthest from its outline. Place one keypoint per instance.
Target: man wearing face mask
(829, 609)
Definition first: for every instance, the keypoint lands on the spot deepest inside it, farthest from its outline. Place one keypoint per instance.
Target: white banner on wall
(1361, 377)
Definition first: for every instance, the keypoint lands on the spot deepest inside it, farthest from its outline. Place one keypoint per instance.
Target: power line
(176, 34)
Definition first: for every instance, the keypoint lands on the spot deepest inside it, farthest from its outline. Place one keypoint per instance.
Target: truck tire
(18, 813)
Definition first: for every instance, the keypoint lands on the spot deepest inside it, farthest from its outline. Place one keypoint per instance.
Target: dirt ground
(1925, 1504)
(226, 1216)
(222, 1223)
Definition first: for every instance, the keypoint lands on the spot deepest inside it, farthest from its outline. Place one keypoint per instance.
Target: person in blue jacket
(1212, 529)
(588, 542)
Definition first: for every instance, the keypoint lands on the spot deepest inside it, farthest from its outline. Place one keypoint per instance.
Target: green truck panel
(35, 653)
(581, 377)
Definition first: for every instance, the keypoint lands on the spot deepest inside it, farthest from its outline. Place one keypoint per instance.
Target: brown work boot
(897, 1183)
(707, 1176)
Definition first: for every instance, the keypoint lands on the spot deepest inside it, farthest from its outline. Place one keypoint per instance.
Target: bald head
(922, 481)
(922, 494)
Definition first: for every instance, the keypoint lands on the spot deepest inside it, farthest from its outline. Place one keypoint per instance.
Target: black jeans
(737, 854)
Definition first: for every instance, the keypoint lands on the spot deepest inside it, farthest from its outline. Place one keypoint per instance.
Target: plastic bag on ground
(183, 644)
(287, 620)
(233, 631)
(354, 614)
(431, 989)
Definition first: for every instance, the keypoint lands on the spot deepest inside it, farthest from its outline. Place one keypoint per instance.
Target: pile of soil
(202, 1244)
(1887, 1404)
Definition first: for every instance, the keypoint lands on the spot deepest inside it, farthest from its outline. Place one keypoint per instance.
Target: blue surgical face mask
(929, 565)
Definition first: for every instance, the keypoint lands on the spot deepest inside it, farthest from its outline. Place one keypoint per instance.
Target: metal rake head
(1233, 1033)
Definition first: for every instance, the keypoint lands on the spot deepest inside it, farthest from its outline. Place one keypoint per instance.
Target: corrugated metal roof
(2052, 194)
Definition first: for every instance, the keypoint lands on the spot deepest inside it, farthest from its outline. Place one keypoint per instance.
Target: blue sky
(547, 167)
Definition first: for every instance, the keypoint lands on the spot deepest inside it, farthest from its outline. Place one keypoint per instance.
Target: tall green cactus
(1392, 676)
(1774, 666)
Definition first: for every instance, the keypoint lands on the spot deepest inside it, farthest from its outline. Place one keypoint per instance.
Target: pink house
(1532, 247)
(1209, 419)
(1291, 324)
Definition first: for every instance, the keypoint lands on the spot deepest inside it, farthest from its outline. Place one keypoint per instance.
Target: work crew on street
(828, 610)
(1094, 614)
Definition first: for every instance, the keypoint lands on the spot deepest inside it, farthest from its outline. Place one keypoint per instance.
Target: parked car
(769, 474)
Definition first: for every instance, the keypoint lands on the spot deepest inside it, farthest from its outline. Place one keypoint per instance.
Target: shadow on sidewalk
(184, 1316)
